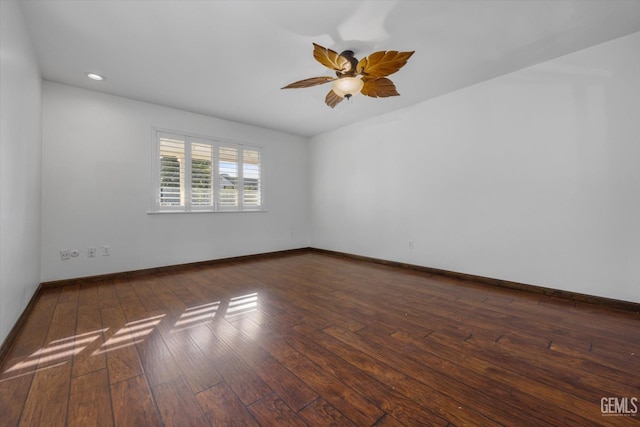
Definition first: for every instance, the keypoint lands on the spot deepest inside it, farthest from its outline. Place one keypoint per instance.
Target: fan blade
(332, 99)
(331, 59)
(313, 81)
(379, 88)
(382, 64)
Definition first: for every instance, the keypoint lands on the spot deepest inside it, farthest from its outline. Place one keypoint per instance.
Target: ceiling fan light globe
(347, 86)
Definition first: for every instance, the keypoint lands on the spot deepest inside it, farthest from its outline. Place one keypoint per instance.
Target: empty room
(291, 213)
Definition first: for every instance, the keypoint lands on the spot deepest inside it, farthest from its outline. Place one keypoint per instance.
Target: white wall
(20, 150)
(531, 177)
(97, 188)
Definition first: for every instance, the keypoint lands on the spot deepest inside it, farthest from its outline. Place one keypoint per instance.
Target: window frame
(216, 144)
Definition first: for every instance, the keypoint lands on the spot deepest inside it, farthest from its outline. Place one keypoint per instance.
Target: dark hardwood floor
(314, 339)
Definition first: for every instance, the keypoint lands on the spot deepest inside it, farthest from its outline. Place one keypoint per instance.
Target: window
(194, 174)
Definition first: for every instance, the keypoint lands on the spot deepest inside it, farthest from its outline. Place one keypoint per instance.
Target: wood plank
(273, 411)
(530, 386)
(322, 413)
(223, 408)
(125, 292)
(60, 342)
(88, 294)
(160, 286)
(90, 400)
(14, 389)
(48, 397)
(89, 339)
(34, 331)
(119, 345)
(237, 374)
(69, 294)
(177, 404)
(288, 387)
(17, 392)
(178, 282)
(316, 346)
(133, 404)
(456, 410)
(197, 369)
(338, 395)
(158, 363)
(147, 296)
(389, 421)
(107, 295)
(517, 394)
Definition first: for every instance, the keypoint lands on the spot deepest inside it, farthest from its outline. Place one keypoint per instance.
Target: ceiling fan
(367, 76)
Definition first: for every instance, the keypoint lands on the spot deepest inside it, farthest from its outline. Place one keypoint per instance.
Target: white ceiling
(229, 59)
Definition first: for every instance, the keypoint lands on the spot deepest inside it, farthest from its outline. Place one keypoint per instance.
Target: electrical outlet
(64, 255)
(106, 250)
(74, 252)
(410, 244)
(91, 252)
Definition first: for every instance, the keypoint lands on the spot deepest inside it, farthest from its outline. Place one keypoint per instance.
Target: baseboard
(13, 333)
(573, 296)
(168, 268)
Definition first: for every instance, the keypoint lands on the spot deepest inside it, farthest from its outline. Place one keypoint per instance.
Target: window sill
(204, 212)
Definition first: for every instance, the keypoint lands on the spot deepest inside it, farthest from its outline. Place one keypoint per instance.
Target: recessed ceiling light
(94, 76)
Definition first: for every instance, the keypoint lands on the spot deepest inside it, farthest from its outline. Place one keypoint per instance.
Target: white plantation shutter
(228, 178)
(198, 174)
(251, 179)
(201, 175)
(172, 171)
